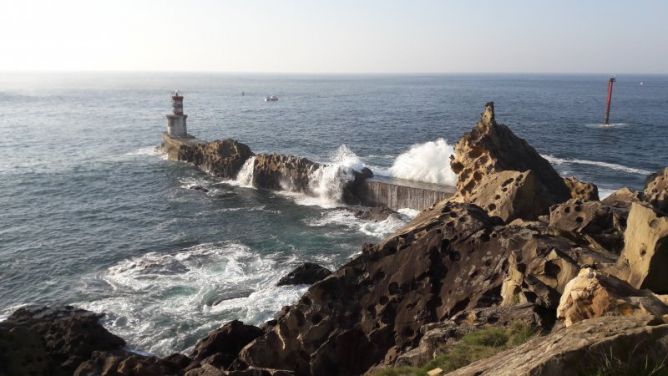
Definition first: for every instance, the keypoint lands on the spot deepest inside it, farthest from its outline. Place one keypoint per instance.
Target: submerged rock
(376, 213)
(306, 273)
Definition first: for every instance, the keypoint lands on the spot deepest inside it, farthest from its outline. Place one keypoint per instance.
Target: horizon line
(361, 73)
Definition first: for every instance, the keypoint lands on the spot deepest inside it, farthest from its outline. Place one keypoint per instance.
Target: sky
(338, 36)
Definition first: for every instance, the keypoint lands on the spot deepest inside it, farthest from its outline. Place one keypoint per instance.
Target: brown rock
(581, 190)
(56, 339)
(225, 343)
(656, 190)
(508, 195)
(594, 294)
(306, 273)
(126, 364)
(601, 225)
(222, 158)
(622, 198)
(283, 172)
(645, 251)
(492, 148)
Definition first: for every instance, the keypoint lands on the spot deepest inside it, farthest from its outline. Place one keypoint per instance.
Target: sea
(92, 215)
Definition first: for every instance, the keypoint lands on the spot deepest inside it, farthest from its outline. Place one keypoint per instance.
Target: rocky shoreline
(517, 245)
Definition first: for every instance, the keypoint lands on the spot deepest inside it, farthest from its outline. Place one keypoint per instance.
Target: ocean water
(92, 215)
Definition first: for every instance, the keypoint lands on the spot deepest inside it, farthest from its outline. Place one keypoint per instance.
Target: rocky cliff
(517, 244)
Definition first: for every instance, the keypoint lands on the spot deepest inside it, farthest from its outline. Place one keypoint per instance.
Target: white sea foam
(427, 162)
(612, 166)
(604, 192)
(156, 294)
(347, 218)
(245, 175)
(607, 126)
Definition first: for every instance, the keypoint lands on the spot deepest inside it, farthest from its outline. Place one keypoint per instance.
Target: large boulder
(623, 198)
(645, 253)
(604, 345)
(594, 294)
(530, 184)
(656, 190)
(222, 345)
(306, 273)
(51, 341)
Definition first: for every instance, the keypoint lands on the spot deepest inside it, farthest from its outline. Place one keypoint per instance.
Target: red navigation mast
(611, 81)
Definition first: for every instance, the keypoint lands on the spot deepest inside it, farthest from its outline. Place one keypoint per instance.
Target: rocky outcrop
(581, 190)
(656, 190)
(645, 253)
(601, 225)
(376, 213)
(222, 158)
(624, 345)
(529, 185)
(51, 341)
(306, 273)
(593, 294)
(283, 172)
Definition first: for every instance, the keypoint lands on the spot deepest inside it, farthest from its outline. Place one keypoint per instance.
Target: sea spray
(428, 162)
(327, 182)
(245, 174)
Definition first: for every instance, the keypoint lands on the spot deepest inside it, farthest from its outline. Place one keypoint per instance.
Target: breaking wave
(428, 162)
(612, 166)
(328, 181)
(164, 302)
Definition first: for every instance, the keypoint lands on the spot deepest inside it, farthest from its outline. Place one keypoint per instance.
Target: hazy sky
(338, 36)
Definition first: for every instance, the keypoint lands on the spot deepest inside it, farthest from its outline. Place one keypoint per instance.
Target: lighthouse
(176, 121)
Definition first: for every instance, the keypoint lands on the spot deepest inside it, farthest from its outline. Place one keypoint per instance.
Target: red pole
(607, 107)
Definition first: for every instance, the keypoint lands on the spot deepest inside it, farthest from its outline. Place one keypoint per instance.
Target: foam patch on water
(347, 218)
(612, 166)
(607, 126)
(163, 302)
(428, 162)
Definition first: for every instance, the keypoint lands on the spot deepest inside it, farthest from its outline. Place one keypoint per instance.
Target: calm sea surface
(91, 215)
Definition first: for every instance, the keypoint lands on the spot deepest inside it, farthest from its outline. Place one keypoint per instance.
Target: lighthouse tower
(176, 121)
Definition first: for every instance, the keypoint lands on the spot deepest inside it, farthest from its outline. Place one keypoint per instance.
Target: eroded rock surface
(529, 185)
(594, 294)
(581, 190)
(222, 345)
(656, 190)
(645, 251)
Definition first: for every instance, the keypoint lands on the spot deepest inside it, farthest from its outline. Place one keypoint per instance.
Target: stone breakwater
(227, 159)
(516, 243)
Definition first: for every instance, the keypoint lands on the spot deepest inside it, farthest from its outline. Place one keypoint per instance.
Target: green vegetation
(611, 365)
(476, 345)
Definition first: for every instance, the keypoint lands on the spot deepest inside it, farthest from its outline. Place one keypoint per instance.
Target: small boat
(271, 98)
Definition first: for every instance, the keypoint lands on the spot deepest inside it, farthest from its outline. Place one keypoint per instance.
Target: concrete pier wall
(398, 194)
